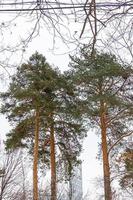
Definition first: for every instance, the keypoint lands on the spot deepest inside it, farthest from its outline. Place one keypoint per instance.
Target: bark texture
(35, 159)
(106, 167)
(53, 163)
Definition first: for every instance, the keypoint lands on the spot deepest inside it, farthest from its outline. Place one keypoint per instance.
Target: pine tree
(65, 132)
(101, 83)
(25, 105)
(41, 101)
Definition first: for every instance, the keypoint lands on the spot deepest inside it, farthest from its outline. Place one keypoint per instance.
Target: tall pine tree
(101, 81)
(41, 101)
(25, 105)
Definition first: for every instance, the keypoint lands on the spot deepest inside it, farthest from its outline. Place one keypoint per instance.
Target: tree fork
(106, 167)
(53, 162)
(35, 161)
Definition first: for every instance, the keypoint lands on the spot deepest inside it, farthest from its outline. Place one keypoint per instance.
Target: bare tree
(11, 177)
(97, 23)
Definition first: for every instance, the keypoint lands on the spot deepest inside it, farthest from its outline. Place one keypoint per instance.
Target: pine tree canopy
(37, 86)
(102, 79)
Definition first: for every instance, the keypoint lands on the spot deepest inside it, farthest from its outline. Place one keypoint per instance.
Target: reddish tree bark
(53, 163)
(106, 167)
(35, 159)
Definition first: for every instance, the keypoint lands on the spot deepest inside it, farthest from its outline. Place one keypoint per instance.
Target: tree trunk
(35, 159)
(53, 163)
(106, 168)
(70, 190)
